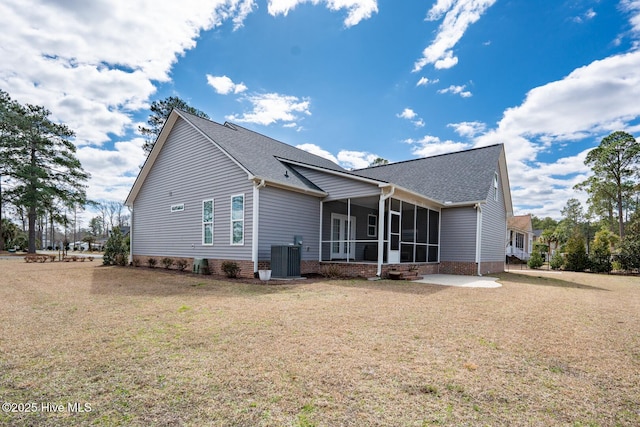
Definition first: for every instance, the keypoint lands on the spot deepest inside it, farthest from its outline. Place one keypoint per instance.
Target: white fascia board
(293, 188)
(506, 187)
(333, 172)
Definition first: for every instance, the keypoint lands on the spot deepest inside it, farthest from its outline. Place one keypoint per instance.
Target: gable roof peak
(435, 156)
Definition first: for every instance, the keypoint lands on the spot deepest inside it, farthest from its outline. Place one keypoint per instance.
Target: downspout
(383, 198)
(320, 233)
(256, 214)
(348, 228)
(478, 206)
(130, 236)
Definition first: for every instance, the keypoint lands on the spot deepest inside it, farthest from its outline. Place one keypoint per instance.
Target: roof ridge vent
(230, 126)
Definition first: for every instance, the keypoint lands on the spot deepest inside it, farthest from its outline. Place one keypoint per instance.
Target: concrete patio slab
(460, 281)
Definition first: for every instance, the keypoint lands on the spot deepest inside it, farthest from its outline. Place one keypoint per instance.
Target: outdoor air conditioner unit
(285, 261)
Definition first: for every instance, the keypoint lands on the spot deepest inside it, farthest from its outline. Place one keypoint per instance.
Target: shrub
(167, 262)
(600, 256)
(536, 260)
(628, 255)
(136, 262)
(151, 262)
(230, 268)
(616, 265)
(181, 264)
(556, 261)
(331, 271)
(576, 258)
(116, 250)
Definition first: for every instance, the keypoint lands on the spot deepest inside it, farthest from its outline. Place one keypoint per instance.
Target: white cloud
(588, 15)
(632, 7)
(345, 158)
(224, 85)
(432, 145)
(271, 108)
(355, 159)
(594, 99)
(425, 81)
(458, 15)
(358, 10)
(589, 103)
(112, 171)
(457, 90)
(92, 63)
(411, 115)
(318, 151)
(468, 129)
(407, 113)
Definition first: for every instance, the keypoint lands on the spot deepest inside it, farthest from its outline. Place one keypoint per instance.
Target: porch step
(405, 275)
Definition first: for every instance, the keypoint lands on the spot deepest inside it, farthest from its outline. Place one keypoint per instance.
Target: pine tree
(160, 111)
(40, 158)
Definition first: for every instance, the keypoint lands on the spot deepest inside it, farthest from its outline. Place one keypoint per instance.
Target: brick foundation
(246, 267)
(492, 267)
(471, 268)
(353, 269)
(456, 267)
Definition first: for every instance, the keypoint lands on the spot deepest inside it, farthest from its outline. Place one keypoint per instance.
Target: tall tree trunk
(620, 217)
(32, 229)
(31, 199)
(1, 235)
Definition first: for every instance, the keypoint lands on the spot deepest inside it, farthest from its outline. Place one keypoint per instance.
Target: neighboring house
(520, 237)
(552, 246)
(223, 192)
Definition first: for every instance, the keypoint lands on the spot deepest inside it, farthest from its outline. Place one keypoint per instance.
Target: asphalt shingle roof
(520, 222)
(259, 154)
(465, 176)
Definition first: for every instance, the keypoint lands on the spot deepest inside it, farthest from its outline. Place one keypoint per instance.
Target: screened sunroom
(357, 229)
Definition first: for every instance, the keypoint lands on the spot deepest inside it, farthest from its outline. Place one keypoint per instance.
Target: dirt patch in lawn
(134, 346)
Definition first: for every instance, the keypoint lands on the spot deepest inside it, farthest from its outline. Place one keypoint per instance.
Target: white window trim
(231, 242)
(375, 226)
(211, 222)
(495, 186)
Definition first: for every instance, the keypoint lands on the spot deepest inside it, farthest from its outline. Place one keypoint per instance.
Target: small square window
(372, 226)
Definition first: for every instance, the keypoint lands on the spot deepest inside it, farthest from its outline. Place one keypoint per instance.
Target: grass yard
(133, 346)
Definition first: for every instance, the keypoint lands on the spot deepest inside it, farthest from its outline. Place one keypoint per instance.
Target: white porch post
(131, 214)
(257, 185)
(348, 228)
(479, 238)
(381, 201)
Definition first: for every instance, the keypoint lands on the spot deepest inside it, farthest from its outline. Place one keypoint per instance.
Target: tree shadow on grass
(131, 281)
(142, 281)
(397, 286)
(544, 279)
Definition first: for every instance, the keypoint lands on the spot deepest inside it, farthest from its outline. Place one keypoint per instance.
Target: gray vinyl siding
(188, 170)
(339, 187)
(285, 214)
(494, 226)
(458, 234)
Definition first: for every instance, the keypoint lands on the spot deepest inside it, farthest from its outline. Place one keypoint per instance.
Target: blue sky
(351, 80)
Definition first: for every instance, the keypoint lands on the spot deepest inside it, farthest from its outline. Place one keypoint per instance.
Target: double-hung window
(237, 219)
(207, 222)
(372, 225)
